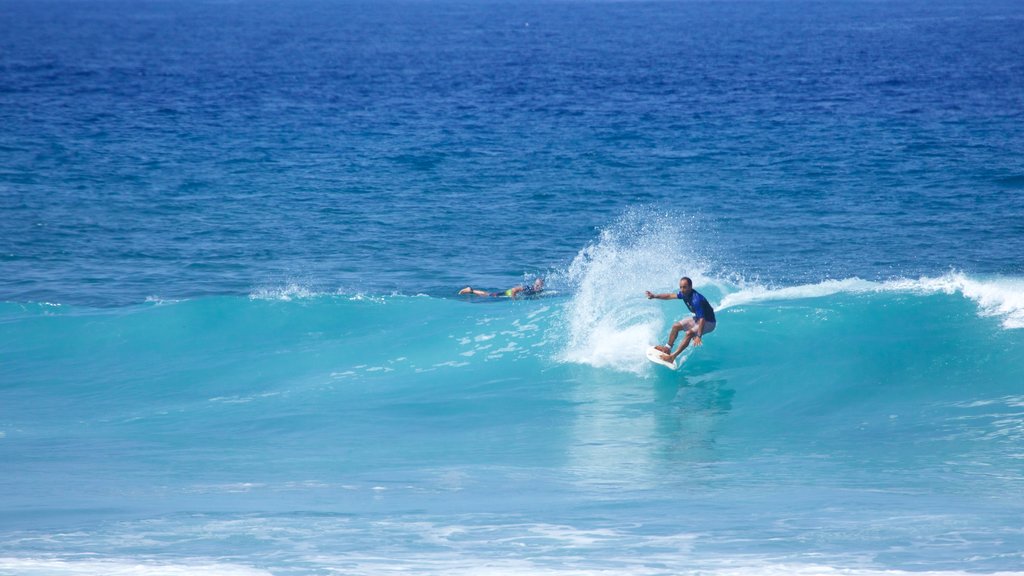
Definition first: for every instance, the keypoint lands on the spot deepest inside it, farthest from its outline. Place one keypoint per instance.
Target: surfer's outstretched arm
(665, 296)
(468, 290)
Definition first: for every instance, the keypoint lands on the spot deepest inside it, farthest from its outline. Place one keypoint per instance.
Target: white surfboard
(654, 355)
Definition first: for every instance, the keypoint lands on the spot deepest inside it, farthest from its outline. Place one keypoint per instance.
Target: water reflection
(636, 434)
(688, 412)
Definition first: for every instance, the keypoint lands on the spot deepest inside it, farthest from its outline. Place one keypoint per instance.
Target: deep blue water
(232, 233)
(185, 148)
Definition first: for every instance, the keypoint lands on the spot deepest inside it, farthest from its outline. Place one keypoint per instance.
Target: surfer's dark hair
(687, 278)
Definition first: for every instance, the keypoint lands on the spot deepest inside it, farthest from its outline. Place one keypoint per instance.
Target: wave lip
(757, 293)
(1001, 297)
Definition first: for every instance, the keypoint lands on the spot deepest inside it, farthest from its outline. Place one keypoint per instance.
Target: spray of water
(609, 322)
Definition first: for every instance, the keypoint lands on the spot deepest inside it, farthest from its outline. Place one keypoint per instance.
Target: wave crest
(1001, 297)
(607, 322)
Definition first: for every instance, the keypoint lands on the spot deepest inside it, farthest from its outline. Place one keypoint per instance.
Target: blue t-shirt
(698, 305)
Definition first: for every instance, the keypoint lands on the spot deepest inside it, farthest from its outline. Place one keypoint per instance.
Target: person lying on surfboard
(702, 322)
(523, 290)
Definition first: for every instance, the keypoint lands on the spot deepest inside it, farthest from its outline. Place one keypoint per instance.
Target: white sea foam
(284, 293)
(161, 301)
(125, 567)
(750, 294)
(428, 564)
(995, 297)
(999, 297)
(332, 544)
(295, 291)
(514, 567)
(361, 297)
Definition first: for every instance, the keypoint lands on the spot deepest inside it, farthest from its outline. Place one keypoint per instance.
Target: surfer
(523, 290)
(702, 322)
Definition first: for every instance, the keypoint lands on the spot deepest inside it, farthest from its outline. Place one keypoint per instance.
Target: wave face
(880, 424)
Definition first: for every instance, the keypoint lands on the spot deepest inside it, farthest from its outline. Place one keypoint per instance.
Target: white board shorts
(691, 323)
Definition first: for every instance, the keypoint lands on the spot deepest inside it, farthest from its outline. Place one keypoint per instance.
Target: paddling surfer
(522, 290)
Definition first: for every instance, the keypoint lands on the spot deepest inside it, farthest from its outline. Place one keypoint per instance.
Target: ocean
(233, 233)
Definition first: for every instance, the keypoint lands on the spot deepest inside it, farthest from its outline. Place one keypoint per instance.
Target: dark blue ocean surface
(181, 148)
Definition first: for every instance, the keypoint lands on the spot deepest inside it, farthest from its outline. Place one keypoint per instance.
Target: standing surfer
(702, 322)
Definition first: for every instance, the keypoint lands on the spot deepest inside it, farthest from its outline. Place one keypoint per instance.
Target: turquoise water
(289, 433)
(233, 233)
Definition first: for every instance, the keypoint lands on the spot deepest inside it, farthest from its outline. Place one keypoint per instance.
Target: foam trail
(608, 321)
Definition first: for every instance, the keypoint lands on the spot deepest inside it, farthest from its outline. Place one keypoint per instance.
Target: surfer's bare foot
(664, 349)
(667, 358)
